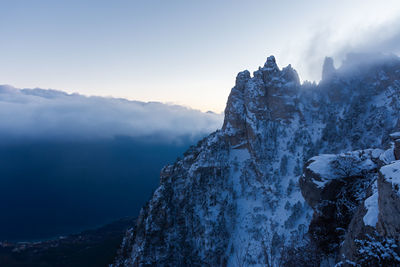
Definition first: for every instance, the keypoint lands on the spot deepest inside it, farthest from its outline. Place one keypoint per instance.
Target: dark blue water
(52, 188)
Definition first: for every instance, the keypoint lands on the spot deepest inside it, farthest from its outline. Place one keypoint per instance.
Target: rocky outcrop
(334, 186)
(328, 69)
(356, 206)
(234, 199)
(396, 141)
(389, 200)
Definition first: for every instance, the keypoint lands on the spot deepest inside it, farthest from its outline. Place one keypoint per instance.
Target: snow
(371, 248)
(387, 156)
(349, 164)
(395, 135)
(376, 153)
(391, 173)
(371, 204)
(367, 164)
(320, 165)
(320, 184)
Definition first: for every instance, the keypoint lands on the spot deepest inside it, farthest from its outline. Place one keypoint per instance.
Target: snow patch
(376, 153)
(395, 135)
(387, 156)
(371, 204)
(391, 173)
(321, 165)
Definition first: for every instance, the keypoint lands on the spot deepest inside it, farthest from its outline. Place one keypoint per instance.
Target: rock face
(389, 200)
(234, 198)
(356, 203)
(328, 70)
(334, 186)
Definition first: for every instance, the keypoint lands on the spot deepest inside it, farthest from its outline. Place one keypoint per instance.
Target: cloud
(44, 114)
(333, 42)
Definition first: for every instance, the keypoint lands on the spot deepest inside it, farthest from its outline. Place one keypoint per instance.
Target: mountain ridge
(234, 199)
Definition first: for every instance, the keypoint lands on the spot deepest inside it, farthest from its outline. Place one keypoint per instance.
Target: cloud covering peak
(52, 114)
(349, 44)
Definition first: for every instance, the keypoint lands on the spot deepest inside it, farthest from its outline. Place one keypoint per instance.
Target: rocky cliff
(356, 201)
(234, 199)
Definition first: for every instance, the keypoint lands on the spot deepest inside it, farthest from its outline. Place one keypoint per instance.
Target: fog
(371, 41)
(27, 114)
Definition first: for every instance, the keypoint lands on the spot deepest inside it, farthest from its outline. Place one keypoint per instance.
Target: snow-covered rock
(334, 186)
(389, 200)
(356, 206)
(371, 204)
(322, 171)
(396, 144)
(234, 198)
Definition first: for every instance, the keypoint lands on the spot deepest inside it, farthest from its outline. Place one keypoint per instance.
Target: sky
(181, 52)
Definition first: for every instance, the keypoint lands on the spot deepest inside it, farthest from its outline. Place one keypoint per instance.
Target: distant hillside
(93, 248)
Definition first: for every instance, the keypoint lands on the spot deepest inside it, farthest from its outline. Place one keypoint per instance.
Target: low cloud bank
(49, 114)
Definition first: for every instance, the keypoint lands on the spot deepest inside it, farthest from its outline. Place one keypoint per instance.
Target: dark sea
(53, 188)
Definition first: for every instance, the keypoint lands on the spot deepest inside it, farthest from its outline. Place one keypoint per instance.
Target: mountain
(234, 199)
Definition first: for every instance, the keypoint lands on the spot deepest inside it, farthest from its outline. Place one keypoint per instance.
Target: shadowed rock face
(234, 198)
(396, 141)
(389, 200)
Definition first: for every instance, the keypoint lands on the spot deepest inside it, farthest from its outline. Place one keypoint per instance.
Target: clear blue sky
(184, 52)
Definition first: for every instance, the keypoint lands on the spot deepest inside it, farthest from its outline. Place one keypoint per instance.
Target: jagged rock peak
(270, 64)
(242, 77)
(269, 89)
(290, 74)
(328, 69)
